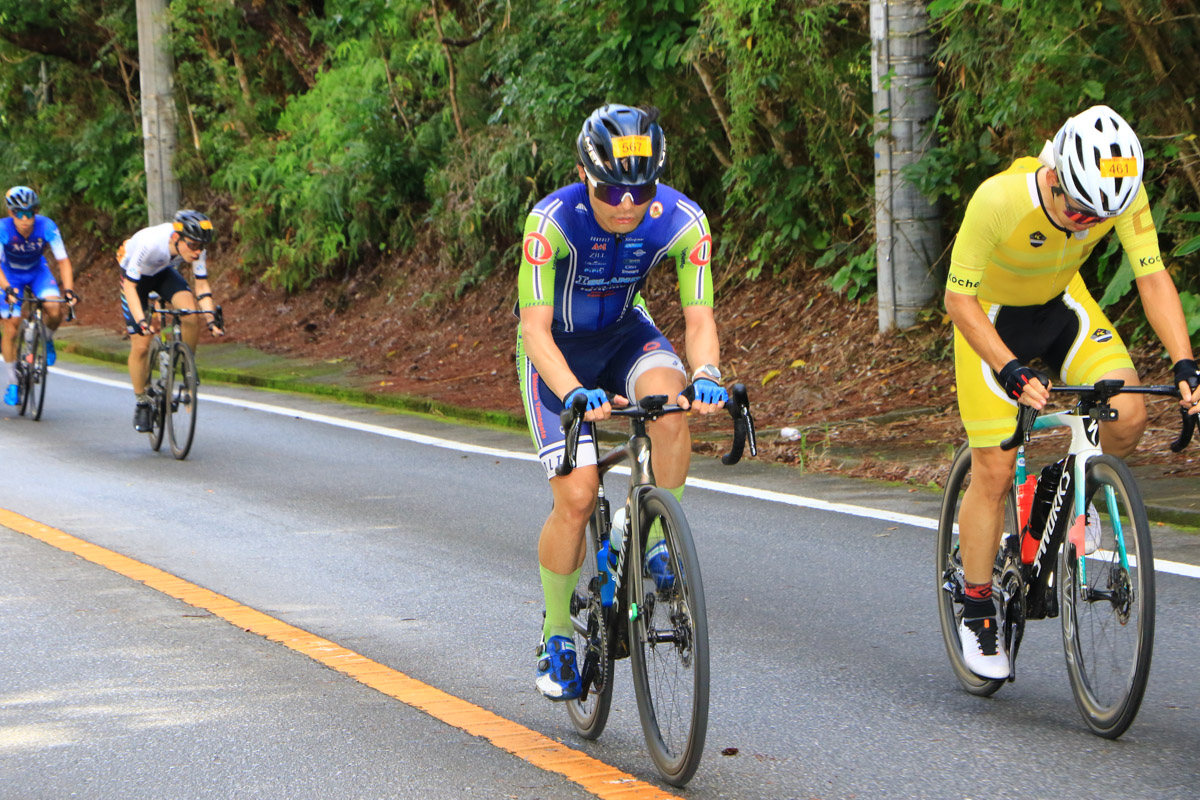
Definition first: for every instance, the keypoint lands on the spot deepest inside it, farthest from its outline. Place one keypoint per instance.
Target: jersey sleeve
(200, 266)
(55, 240)
(1139, 238)
(976, 241)
(135, 254)
(543, 244)
(691, 250)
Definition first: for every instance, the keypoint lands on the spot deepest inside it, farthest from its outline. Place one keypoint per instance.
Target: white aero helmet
(1099, 161)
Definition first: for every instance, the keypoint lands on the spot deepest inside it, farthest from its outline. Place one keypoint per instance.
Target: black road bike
(31, 369)
(173, 383)
(663, 630)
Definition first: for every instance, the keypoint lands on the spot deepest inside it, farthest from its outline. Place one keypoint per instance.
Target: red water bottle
(1025, 501)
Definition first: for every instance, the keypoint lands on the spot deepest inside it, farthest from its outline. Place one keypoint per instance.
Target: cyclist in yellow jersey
(1014, 294)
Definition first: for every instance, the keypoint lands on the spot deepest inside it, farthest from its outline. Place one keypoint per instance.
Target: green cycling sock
(557, 591)
(656, 534)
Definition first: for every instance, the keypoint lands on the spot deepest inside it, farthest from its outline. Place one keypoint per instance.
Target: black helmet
(622, 145)
(21, 198)
(193, 225)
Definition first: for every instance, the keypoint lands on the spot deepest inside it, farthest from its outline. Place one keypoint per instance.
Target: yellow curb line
(592, 775)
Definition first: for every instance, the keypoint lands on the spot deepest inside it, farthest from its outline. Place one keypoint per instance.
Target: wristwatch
(708, 371)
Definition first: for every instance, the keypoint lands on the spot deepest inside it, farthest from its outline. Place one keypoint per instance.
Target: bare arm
(549, 361)
(66, 274)
(129, 289)
(1160, 299)
(981, 335)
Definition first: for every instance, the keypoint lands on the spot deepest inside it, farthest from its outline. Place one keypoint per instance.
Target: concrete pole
(159, 119)
(907, 227)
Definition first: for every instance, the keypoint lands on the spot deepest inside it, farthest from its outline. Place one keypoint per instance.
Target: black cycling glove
(1014, 377)
(1185, 370)
(12, 296)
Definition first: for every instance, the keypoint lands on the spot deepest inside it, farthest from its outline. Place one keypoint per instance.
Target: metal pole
(159, 119)
(907, 229)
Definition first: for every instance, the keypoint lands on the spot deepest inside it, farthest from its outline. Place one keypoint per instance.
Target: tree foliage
(330, 132)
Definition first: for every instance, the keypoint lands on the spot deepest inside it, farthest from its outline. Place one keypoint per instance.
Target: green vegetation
(329, 134)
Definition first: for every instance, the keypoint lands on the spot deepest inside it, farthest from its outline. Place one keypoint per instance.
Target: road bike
(661, 627)
(31, 369)
(1100, 582)
(173, 390)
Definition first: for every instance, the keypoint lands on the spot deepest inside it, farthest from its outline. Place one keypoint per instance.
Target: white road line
(1161, 565)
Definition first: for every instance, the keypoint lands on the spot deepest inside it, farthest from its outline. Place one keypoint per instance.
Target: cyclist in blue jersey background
(24, 237)
(585, 332)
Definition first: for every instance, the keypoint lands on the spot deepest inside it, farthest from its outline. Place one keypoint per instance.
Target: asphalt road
(828, 673)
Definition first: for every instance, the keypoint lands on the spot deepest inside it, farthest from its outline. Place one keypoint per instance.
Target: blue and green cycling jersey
(593, 278)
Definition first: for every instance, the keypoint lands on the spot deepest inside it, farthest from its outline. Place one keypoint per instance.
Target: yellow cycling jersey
(1009, 252)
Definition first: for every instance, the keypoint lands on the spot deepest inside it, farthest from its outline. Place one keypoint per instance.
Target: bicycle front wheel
(181, 400)
(36, 371)
(950, 581)
(668, 638)
(24, 365)
(1108, 603)
(593, 644)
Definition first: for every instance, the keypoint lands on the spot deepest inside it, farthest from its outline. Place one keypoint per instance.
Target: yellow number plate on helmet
(1118, 168)
(625, 146)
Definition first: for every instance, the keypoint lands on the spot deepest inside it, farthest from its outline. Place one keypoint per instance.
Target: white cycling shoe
(982, 648)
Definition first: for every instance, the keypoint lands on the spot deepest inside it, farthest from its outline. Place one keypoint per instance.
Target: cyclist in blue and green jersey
(585, 332)
(24, 237)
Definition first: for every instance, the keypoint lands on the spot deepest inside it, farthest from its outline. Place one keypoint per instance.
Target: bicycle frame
(1085, 445)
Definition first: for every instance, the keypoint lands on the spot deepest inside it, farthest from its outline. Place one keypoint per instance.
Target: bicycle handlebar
(1093, 401)
(651, 408)
(30, 296)
(217, 315)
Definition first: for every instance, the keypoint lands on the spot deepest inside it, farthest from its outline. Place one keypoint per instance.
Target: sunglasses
(195, 247)
(614, 195)
(23, 214)
(1077, 215)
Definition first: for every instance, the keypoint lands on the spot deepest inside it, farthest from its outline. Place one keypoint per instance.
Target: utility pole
(157, 70)
(907, 226)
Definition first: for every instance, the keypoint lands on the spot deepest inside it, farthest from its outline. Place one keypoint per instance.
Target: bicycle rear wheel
(589, 714)
(36, 371)
(181, 400)
(668, 635)
(950, 574)
(1108, 604)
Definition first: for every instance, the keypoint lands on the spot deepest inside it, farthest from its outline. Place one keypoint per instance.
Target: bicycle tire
(23, 368)
(180, 402)
(668, 642)
(38, 372)
(156, 389)
(593, 643)
(949, 572)
(1108, 658)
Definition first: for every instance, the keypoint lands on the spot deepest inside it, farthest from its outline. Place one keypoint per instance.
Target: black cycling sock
(977, 601)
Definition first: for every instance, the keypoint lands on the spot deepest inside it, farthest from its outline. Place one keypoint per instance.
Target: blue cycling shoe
(51, 356)
(557, 675)
(12, 395)
(658, 566)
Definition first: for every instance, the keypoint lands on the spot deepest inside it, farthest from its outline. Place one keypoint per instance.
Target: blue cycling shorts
(38, 278)
(611, 359)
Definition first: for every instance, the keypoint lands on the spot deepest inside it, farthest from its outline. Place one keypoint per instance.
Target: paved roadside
(1170, 500)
